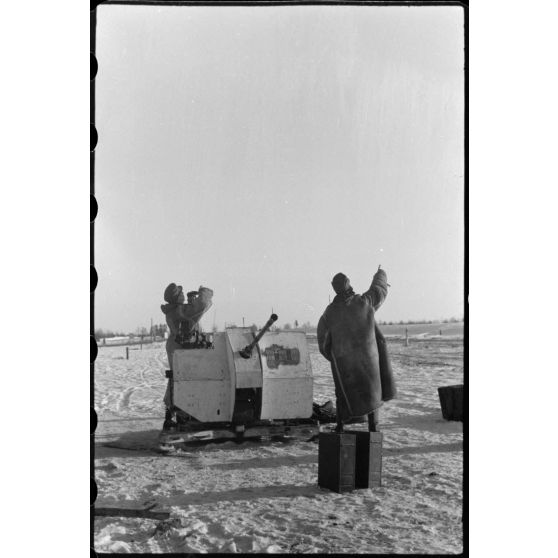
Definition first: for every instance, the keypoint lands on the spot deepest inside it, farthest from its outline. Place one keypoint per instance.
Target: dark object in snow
(336, 461)
(324, 413)
(451, 400)
(368, 458)
(327, 413)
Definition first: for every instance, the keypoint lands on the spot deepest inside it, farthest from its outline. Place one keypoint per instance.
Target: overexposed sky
(261, 150)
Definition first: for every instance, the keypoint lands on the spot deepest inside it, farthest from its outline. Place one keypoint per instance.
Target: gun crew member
(349, 338)
(183, 321)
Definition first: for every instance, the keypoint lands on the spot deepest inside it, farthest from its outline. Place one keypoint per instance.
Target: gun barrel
(247, 351)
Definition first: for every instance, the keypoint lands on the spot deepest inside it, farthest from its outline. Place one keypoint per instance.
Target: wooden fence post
(127, 353)
(406, 337)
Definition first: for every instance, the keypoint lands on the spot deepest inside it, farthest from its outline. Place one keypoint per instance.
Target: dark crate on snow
(368, 458)
(451, 400)
(336, 461)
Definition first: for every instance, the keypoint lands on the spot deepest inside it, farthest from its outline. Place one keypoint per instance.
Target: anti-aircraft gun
(240, 384)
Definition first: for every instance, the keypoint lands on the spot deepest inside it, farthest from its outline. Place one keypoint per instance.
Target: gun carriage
(235, 384)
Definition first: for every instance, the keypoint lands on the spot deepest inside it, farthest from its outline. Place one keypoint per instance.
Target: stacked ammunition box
(368, 462)
(349, 460)
(451, 401)
(336, 461)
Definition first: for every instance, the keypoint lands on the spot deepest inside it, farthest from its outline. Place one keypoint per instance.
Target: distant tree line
(157, 330)
(107, 334)
(307, 327)
(412, 322)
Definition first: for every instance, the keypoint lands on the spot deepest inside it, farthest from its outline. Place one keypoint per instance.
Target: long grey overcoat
(349, 338)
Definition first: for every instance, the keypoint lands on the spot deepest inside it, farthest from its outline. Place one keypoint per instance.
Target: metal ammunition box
(451, 401)
(336, 461)
(368, 458)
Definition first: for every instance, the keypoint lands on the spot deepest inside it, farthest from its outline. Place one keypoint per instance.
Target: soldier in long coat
(184, 318)
(350, 339)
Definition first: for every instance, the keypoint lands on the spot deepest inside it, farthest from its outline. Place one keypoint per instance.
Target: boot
(169, 422)
(373, 419)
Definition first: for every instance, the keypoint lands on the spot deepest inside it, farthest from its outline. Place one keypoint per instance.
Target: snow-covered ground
(263, 496)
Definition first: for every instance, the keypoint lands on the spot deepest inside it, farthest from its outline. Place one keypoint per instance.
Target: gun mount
(243, 386)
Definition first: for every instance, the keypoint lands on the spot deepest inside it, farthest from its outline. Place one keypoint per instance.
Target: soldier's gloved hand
(380, 274)
(380, 278)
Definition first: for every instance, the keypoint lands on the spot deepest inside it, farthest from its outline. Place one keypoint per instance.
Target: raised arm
(204, 300)
(193, 311)
(202, 303)
(378, 290)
